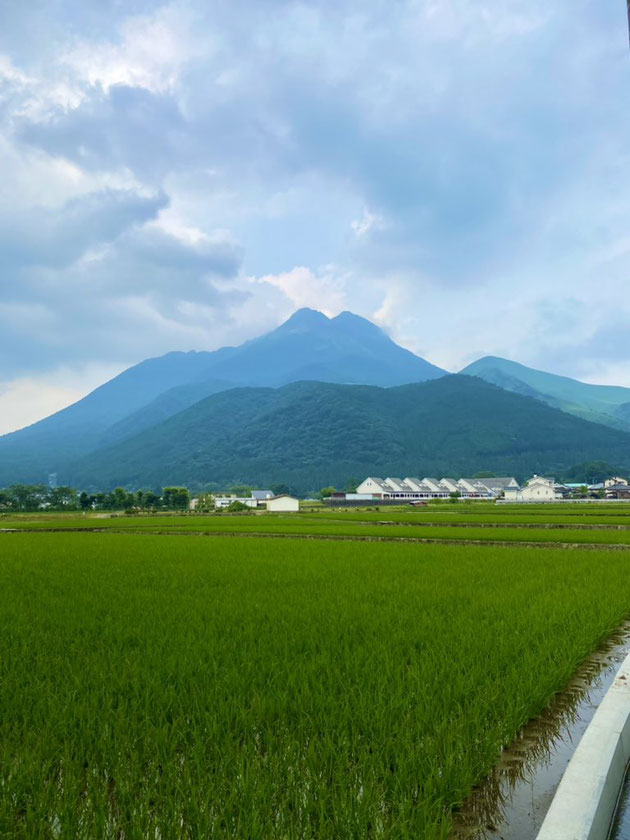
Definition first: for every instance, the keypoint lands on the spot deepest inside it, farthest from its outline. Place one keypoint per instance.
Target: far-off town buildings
(259, 499)
(539, 488)
(410, 489)
(543, 489)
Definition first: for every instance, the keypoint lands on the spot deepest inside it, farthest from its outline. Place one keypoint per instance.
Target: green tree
(283, 490)
(326, 492)
(100, 501)
(242, 490)
(150, 500)
(63, 498)
(591, 472)
(86, 502)
(28, 496)
(119, 499)
(176, 498)
(237, 507)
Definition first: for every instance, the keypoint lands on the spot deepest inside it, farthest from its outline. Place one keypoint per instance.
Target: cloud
(100, 280)
(25, 400)
(145, 293)
(324, 291)
(368, 223)
(55, 238)
(183, 174)
(148, 52)
(120, 127)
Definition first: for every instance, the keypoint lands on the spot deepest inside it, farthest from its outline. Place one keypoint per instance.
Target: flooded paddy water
(621, 826)
(512, 802)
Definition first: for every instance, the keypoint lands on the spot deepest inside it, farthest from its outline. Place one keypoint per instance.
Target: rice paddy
(351, 525)
(155, 686)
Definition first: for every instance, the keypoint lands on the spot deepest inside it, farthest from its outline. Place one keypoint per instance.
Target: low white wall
(585, 802)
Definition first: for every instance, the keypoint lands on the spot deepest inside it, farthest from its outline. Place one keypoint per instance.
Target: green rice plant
(156, 686)
(513, 514)
(349, 527)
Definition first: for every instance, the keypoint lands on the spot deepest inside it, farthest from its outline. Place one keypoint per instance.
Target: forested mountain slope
(311, 434)
(607, 404)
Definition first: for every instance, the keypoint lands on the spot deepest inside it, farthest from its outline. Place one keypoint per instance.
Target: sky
(185, 175)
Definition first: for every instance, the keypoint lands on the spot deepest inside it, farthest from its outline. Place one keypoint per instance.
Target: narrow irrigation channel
(512, 802)
(620, 829)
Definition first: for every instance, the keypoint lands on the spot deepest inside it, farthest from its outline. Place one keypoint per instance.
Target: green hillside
(605, 404)
(311, 434)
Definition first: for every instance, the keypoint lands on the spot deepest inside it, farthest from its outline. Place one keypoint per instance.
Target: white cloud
(149, 52)
(324, 291)
(25, 400)
(367, 223)
(10, 73)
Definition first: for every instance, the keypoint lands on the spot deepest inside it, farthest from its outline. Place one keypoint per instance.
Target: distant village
(396, 491)
(505, 489)
(372, 491)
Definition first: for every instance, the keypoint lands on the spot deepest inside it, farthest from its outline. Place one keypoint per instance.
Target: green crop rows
(169, 686)
(350, 525)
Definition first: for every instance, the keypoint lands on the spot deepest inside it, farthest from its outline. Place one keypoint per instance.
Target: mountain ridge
(605, 404)
(347, 352)
(309, 345)
(311, 434)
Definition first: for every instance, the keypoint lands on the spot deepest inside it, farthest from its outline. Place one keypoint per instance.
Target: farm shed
(283, 504)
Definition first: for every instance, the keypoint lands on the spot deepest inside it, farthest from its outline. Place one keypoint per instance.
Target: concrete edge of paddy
(585, 803)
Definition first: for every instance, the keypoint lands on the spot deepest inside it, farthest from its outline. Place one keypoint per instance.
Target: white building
(409, 488)
(283, 504)
(491, 487)
(225, 501)
(615, 480)
(537, 489)
(405, 490)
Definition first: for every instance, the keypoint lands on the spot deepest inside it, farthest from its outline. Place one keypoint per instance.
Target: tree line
(33, 497)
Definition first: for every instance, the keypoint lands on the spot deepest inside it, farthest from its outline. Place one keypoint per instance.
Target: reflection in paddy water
(512, 801)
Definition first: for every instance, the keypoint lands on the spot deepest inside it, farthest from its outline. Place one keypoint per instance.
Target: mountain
(346, 349)
(309, 346)
(605, 404)
(312, 434)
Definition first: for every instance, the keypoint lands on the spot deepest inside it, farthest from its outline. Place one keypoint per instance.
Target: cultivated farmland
(360, 526)
(175, 686)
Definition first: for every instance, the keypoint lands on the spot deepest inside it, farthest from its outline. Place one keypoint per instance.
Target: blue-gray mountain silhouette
(346, 349)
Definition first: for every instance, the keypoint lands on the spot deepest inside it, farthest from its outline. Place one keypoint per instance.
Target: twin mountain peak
(286, 407)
